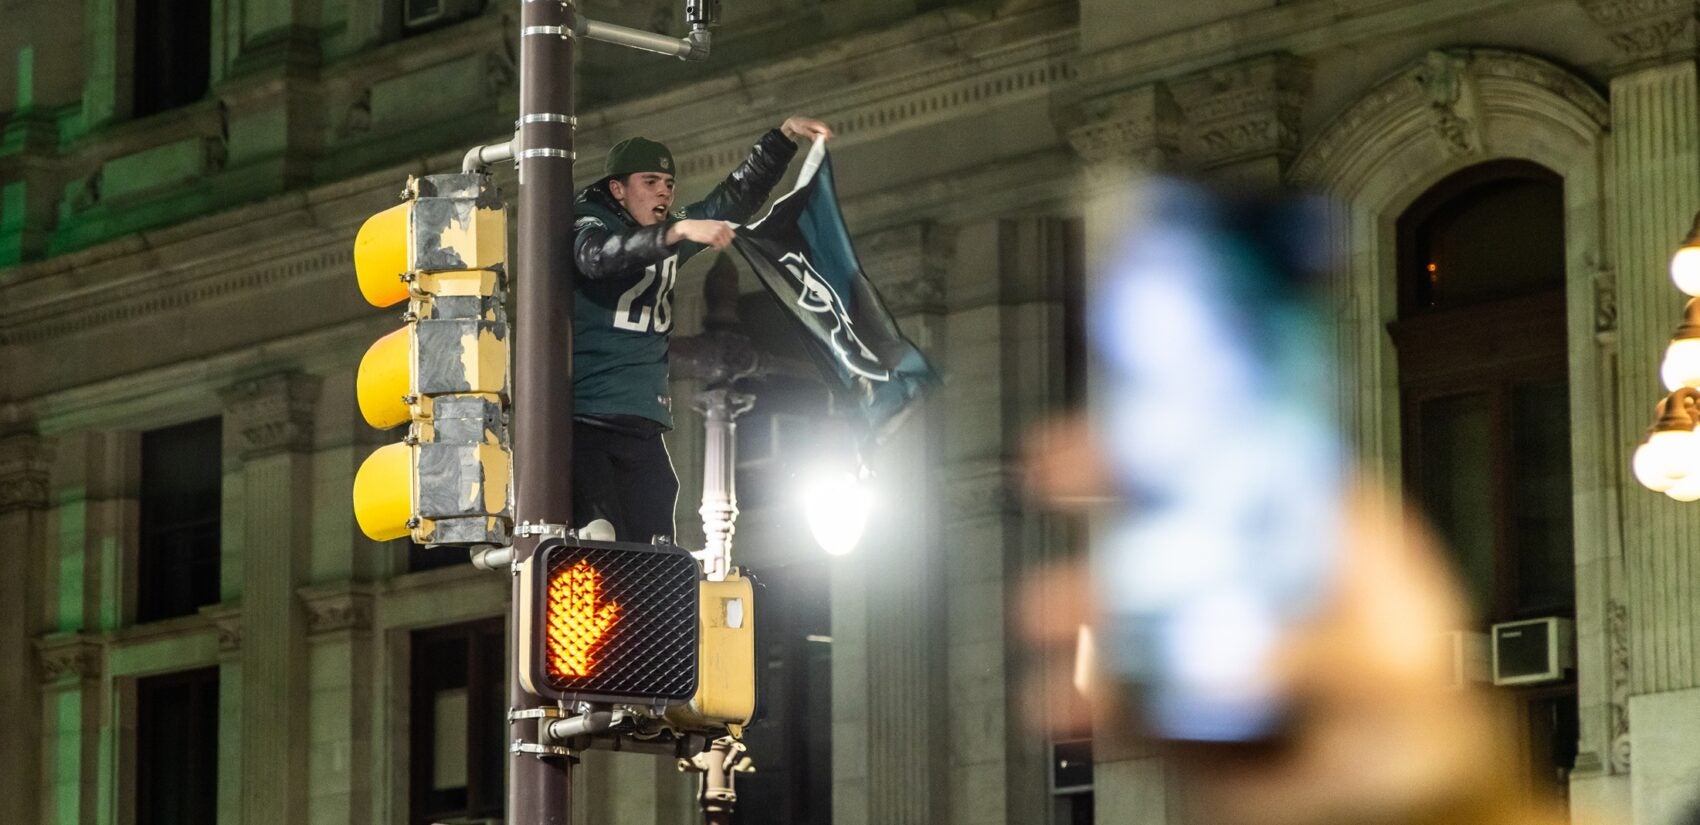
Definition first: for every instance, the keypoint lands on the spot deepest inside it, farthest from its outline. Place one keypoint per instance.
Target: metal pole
(539, 788)
(720, 407)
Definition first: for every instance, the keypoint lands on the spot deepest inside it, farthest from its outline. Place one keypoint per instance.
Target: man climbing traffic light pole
(629, 243)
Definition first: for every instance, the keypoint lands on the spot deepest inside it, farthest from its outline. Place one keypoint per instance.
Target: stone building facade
(175, 249)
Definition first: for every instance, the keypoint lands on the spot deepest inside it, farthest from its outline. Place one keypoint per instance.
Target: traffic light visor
(385, 380)
(381, 255)
(383, 493)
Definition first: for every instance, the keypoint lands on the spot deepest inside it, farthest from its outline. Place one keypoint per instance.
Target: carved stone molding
(1643, 29)
(1454, 101)
(337, 607)
(1244, 110)
(69, 657)
(1605, 308)
(1617, 639)
(908, 266)
(227, 620)
(1139, 127)
(1432, 95)
(271, 415)
(25, 461)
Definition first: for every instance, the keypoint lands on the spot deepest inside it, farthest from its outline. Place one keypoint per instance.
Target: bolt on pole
(539, 787)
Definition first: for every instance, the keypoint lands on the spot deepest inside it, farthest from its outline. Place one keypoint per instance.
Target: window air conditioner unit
(1533, 651)
(1071, 766)
(1467, 657)
(419, 14)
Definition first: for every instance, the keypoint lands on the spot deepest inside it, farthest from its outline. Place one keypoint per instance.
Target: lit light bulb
(1681, 367)
(1688, 489)
(836, 506)
(1665, 458)
(1685, 269)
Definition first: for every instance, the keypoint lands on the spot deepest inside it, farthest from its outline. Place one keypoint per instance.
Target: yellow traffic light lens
(383, 493)
(385, 380)
(578, 620)
(381, 255)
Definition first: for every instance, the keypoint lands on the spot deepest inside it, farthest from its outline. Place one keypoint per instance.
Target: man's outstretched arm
(605, 253)
(738, 197)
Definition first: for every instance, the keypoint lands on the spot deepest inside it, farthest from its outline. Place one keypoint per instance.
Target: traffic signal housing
(611, 622)
(726, 684)
(444, 373)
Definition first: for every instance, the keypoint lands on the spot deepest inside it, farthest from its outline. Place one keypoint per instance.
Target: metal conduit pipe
(493, 558)
(479, 157)
(694, 46)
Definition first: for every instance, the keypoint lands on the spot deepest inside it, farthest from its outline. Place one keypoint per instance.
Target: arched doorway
(1480, 340)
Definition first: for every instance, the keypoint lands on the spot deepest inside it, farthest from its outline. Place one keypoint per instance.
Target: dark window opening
(173, 54)
(1483, 370)
(1484, 380)
(458, 723)
(177, 748)
(1488, 232)
(178, 553)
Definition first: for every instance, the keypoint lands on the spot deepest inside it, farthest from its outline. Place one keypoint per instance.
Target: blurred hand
(1375, 735)
(797, 126)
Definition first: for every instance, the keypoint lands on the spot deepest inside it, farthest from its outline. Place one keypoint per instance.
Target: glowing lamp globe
(1665, 458)
(836, 506)
(1681, 367)
(1688, 489)
(1685, 269)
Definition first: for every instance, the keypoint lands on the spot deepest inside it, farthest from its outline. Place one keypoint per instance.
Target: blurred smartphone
(1212, 391)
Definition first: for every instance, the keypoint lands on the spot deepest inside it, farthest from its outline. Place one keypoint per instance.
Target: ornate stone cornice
(49, 315)
(271, 415)
(1243, 110)
(1645, 29)
(69, 657)
(331, 608)
(226, 619)
(25, 460)
(1138, 127)
(907, 266)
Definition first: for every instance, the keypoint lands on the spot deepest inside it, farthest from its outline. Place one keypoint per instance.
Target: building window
(419, 16)
(1071, 782)
(173, 55)
(1484, 383)
(178, 551)
(176, 764)
(458, 723)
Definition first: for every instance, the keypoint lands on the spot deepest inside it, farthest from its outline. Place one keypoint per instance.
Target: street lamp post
(1668, 459)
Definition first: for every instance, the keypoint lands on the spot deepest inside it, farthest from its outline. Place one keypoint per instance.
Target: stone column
(268, 435)
(340, 687)
(1120, 134)
(69, 766)
(888, 694)
(1655, 190)
(1003, 351)
(24, 498)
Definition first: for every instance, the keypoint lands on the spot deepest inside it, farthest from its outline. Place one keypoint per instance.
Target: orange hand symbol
(576, 623)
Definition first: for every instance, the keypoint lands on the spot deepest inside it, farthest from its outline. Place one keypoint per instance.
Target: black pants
(625, 476)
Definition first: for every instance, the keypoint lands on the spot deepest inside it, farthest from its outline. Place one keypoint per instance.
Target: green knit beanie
(638, 155)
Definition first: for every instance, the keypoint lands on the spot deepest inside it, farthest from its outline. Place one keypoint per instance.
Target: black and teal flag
(802, 253)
